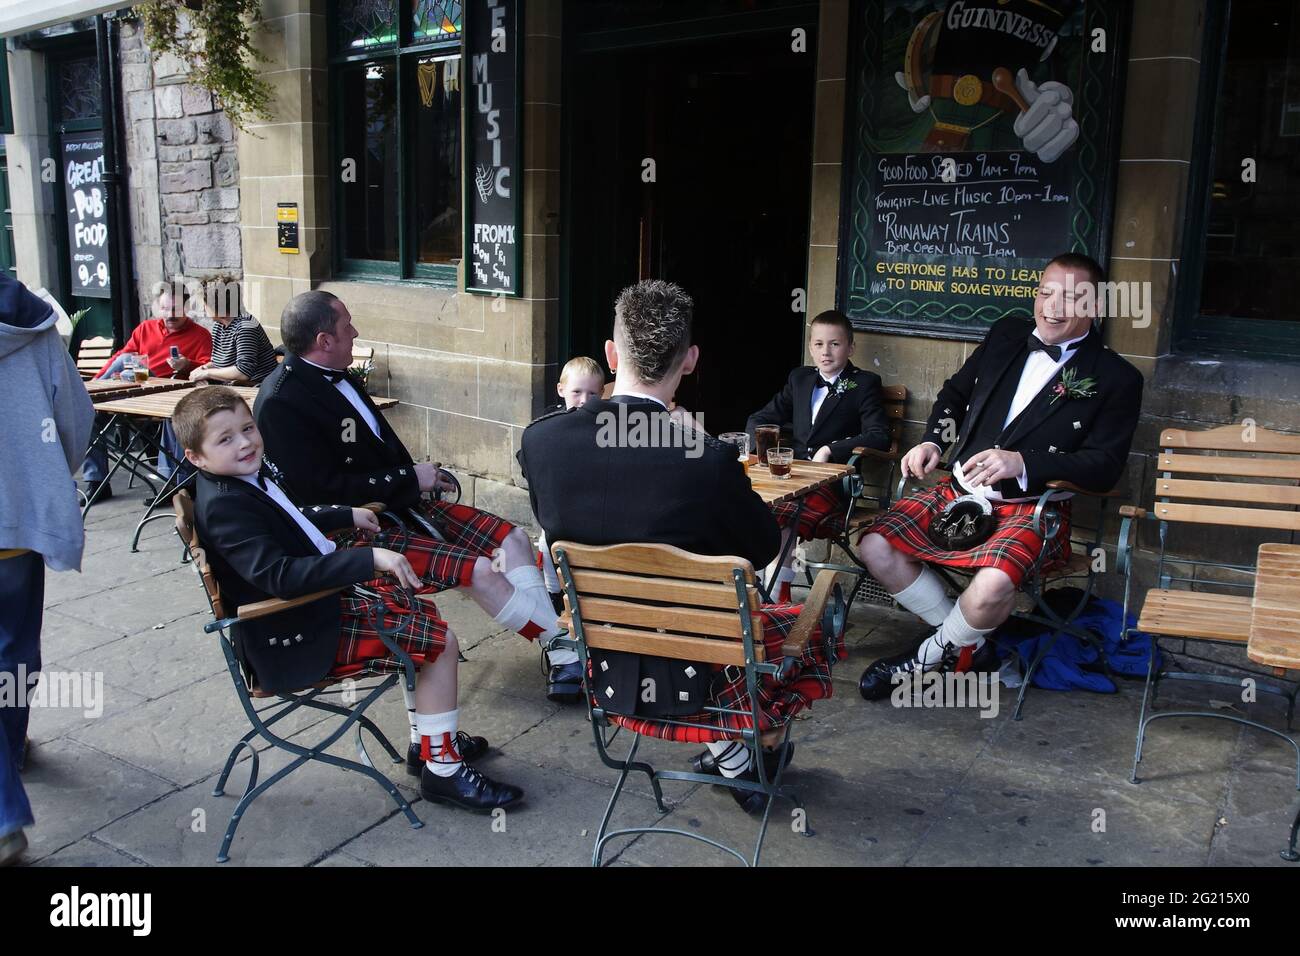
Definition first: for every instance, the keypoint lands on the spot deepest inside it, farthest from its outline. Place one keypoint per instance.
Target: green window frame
(400, 51)
(6, 104)
(1195, 329)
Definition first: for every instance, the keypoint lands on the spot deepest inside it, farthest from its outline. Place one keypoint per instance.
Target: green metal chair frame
(262, 719)
(832, 613)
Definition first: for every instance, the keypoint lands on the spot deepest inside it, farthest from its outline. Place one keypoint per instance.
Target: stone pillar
(286, 159)
(35, 203)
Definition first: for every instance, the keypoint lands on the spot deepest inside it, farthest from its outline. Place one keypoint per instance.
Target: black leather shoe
(101, 487)
(704, 763)
(469, 748)
(468, 789)
(751, 801)
(879, 679)
(564, 683)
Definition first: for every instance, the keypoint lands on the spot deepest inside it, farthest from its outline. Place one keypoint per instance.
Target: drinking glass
(779, 460)
(765, 437)
(142, 369)
(741, 441)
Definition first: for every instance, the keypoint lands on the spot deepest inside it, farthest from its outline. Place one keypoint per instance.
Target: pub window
(1242, 251)
(396, 74)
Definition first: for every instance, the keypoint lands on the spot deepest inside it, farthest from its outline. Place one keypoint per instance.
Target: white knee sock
(535, 621)
(440, 729)
(954, 631)
(548, 570)
(926, 598)
(409, 697)
(731, 757)
(528, 581)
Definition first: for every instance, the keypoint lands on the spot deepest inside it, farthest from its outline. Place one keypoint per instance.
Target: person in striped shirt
(241, 352)
(241, 355)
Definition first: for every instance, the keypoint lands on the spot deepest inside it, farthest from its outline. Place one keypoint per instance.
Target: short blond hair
(581, 365)
(190, 420)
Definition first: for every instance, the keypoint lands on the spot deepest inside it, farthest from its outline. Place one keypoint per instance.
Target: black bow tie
(334, 376)
(823, 383)
(261, 482)
(1038, 345)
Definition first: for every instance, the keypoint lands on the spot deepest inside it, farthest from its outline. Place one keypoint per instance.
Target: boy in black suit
(832, 407)
(260, 545)
(1037, 401)
(332, 444)
(649, 475)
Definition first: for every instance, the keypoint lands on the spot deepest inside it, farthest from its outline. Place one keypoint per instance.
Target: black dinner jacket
(1082, 440)
(304, 422)
(597, 492)
(845, 420)
(258, 552)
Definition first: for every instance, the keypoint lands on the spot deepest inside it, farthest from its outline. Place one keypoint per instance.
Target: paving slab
(89, 852)
(75, 790)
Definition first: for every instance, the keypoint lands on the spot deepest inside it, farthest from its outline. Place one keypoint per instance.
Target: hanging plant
(216, 47)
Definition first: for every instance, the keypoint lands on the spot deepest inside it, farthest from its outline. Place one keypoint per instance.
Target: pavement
(881, 785)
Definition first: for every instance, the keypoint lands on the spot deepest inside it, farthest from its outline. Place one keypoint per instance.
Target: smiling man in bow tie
(1036, 402)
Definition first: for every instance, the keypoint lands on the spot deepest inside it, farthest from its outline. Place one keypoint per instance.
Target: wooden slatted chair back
(895, 400)
(92, 354)
(1234, 475)
(659, 600)
(184, 508)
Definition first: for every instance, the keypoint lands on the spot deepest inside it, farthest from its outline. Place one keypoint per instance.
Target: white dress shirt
(1040, 368)
(273, 491)
(820, 392)
(349, 391)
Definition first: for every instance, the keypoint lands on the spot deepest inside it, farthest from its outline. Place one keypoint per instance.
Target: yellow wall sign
(286, 222)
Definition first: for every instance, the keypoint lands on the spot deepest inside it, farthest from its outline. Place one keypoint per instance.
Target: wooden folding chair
(92, 354)
(286, 703)
(1213, 478)
(662, 601)
(867, 491)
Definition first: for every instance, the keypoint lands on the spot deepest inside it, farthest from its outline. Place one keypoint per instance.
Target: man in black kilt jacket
(1036, 402)
(597, 485)
(332, 445)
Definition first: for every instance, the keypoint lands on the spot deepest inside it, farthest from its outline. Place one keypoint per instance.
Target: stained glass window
(436, 20)
(365, 25)
(79, 96)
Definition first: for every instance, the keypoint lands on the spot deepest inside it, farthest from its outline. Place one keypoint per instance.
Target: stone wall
(183, 171)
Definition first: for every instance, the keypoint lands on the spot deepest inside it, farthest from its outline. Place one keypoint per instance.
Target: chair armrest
(1062, 485)
(889, 454)
(797, 640)
(378, 507)
(251, 612)
(1132, 511)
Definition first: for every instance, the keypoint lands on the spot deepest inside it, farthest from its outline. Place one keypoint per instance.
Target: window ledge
(1221, 388)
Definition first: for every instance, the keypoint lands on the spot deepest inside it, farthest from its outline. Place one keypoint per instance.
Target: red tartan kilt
(822, 515)
(1013, 548)
(778, 700)
(422, 634)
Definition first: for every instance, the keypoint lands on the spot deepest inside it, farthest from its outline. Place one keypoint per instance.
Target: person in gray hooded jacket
(44, 431)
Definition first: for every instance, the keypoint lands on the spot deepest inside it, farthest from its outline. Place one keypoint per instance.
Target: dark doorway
(728, 124)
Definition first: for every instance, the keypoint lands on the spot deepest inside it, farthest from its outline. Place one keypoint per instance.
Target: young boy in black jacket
(261, 545)
(831, 407)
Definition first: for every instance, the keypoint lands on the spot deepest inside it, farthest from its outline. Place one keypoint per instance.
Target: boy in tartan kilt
(689, 492)
(331, 443)
(1036, 402)
(260, 545)
(831, 407)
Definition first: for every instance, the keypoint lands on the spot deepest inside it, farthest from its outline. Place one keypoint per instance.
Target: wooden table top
(101, 389)
(805, 476)
(1275, 607)
(162, 404)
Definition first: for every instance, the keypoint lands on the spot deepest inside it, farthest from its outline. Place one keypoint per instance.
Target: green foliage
(217, 48)
(77, 316)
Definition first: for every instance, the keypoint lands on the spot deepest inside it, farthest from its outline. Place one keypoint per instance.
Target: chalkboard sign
(87, 203)
(493, 173)
(981, 143)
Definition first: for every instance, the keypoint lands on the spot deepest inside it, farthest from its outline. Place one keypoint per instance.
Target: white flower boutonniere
(843, 385)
